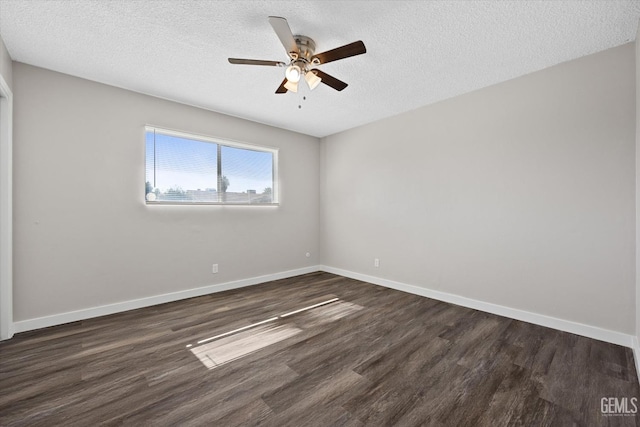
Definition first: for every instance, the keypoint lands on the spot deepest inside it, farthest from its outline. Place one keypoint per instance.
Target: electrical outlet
(376, 262)
(214, 269)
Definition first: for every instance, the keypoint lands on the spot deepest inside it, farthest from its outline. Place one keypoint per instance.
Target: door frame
(6, 211)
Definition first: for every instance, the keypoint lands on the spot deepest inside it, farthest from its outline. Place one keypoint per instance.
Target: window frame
(220, 142)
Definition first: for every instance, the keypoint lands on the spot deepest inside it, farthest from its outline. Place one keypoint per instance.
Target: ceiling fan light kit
(312, 80)
(303, 59)
(293, 73)
(291, 86)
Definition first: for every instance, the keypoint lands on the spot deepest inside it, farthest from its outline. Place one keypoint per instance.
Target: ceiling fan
(303, 59)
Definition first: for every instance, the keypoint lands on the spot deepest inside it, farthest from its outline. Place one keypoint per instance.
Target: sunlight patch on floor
(232, 345)
(225, 350)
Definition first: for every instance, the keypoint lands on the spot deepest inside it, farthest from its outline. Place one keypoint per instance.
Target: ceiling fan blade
(281, 27)
(330, 80)
(282, 89)
(256, 62)
(351, 49)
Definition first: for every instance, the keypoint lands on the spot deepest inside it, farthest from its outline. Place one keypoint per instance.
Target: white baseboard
(525, 316)
(74, 316)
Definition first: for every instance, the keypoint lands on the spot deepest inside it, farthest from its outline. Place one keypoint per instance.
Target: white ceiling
(418, 52)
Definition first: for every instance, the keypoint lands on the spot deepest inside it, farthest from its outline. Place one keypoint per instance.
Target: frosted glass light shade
(293, 73)
(291, 86)
(312, 80)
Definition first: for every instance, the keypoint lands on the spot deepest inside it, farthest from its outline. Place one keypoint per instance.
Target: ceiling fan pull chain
(304, 98)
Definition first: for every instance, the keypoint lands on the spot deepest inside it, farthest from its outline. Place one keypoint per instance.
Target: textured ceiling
(418, 52)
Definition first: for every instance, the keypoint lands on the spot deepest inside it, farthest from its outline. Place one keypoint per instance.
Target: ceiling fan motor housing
(306, 49)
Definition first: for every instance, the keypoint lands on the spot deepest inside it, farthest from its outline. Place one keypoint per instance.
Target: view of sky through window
(185, 169)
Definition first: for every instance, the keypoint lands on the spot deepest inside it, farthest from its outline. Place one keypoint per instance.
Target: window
(192, 169)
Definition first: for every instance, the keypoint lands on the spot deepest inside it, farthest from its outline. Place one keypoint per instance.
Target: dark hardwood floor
(374, 356)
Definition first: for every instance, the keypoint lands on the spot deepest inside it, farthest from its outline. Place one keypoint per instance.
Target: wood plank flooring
(374, 357)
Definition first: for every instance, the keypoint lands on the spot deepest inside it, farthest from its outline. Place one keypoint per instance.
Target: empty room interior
(319, 213)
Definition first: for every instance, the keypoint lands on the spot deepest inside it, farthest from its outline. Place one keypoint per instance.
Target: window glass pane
(149, 167)
(248, 175)
(182, 170)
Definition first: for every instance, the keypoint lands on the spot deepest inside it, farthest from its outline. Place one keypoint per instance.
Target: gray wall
(6, 65)
(520, 194)
(83, 235)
